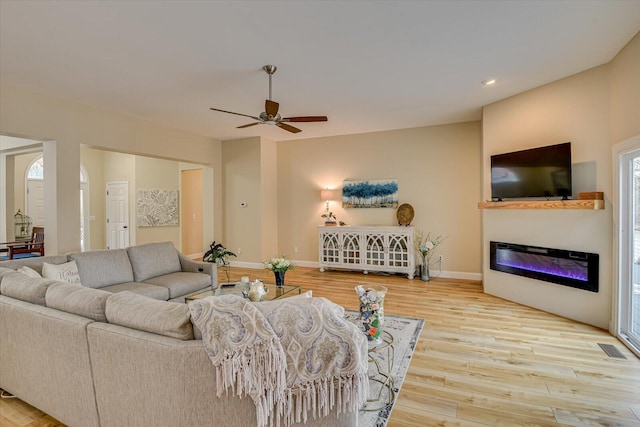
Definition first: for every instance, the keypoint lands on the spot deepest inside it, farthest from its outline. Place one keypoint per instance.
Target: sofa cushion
(77, 299)
(34, 262)
(102, 268)
(181, 283)
(140, 288)
(170, 319)
(67, 272)
(30, 289)
(28, 271)
(5, 271)
(153, 260)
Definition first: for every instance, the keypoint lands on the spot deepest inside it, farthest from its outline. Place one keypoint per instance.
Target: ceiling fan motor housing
(271, 116)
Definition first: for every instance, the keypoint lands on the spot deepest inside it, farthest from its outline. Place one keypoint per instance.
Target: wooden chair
(33, 246)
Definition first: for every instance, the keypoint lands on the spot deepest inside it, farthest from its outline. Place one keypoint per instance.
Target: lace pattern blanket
(292, 356)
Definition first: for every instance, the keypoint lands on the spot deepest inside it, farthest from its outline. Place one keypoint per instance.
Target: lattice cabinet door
(367, 248)
(375, 249)
(330, 248)
(399, 250)
(351, 253)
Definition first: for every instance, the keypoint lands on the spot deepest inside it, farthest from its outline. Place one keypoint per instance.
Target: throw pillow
(67, 272)
(30, 272)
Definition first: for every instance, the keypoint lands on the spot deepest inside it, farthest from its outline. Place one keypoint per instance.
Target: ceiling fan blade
(288, 127)
(249, 125)
(237, 114)
(305, 119)
(271, 107)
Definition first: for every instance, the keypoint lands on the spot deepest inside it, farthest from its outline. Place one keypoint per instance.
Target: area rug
(18, 256)
(405, 332)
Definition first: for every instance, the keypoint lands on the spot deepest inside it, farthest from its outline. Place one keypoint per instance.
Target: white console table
(388, 249)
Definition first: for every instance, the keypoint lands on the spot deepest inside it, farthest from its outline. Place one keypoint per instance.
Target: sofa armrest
(191, 266)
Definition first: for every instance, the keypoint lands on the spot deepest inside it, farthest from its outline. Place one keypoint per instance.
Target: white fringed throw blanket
(292, 356)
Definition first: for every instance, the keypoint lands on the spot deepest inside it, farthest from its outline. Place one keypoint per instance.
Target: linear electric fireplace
(569, 268)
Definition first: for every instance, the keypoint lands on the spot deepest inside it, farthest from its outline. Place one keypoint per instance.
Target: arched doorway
(34, 199)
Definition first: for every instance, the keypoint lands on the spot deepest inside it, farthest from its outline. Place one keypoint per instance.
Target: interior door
(35, 201)
(117, 215)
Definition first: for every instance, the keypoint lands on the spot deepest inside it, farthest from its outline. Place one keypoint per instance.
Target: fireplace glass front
(569, 268)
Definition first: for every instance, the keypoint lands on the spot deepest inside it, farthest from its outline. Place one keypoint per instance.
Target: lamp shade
(328, 195)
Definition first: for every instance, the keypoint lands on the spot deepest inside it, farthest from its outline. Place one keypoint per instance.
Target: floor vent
(612, 351)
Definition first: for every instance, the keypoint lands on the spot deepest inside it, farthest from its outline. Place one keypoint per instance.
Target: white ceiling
(368, 66)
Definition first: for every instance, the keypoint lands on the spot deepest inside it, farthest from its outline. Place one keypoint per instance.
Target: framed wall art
(157, 208)
(370, 193)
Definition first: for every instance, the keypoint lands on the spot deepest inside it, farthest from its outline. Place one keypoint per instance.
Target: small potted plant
(330, 218)
(219, 254)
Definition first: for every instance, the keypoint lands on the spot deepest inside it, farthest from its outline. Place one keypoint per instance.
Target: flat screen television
(537, 172)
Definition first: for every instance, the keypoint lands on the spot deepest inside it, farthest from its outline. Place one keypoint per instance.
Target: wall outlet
(440, 259)
(239, 251)
(295, 249)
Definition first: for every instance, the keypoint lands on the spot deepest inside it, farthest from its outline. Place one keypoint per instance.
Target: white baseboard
(244, 264)
(314, 264)
(459, 275)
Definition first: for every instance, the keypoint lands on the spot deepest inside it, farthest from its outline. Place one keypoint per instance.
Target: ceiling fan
(270, 115)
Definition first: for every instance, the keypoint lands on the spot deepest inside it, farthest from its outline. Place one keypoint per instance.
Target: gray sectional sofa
(93, 356)
(156, 270)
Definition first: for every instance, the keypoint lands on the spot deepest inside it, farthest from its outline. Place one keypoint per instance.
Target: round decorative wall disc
(405, 214)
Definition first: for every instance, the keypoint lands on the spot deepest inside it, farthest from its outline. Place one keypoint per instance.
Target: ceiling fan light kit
(270, 115)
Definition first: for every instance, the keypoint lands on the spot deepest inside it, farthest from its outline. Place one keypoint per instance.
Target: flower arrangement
(426, 245)
(278, 264)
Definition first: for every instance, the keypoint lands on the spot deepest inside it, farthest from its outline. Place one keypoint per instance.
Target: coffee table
(237, 288)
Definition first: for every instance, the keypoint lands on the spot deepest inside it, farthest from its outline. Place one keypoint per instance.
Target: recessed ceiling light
(489, 82)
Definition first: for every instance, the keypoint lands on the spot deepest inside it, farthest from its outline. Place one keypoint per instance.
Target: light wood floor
(480, 360)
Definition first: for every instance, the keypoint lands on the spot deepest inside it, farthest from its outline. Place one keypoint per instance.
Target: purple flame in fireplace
(569, 268)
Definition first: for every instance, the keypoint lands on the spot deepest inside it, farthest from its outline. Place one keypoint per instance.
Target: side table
(382, 374)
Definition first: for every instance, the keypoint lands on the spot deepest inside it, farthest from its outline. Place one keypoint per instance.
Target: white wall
(156, 174)
(66, 125)
(594, 110)
(574, 109)
(625, 92)
(437, 168)
(93, 162)
(242, 185)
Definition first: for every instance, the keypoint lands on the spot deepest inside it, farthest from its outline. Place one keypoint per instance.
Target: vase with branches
(425, 246)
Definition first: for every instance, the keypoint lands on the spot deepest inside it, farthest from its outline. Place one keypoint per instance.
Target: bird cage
(22, 223)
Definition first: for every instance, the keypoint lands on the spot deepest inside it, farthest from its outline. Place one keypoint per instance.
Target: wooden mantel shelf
(544, 204)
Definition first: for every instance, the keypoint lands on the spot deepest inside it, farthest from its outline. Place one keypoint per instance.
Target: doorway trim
(620, 240)
(85, 207)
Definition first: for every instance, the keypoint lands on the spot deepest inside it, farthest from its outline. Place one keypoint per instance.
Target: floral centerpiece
(425, 246)
(279, 266)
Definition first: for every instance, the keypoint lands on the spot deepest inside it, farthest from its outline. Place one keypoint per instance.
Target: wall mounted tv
(537, 172)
